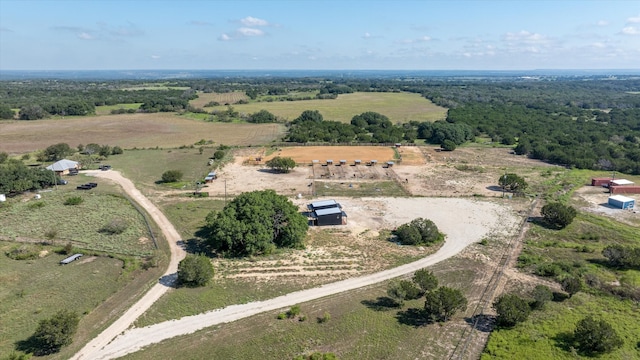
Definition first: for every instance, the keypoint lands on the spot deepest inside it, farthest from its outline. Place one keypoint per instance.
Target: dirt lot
(595, 198)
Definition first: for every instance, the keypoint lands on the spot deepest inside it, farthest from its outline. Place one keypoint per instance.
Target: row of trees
(16, 177)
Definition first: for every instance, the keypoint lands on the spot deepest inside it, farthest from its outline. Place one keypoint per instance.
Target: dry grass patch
(221, 98)
(129, 131)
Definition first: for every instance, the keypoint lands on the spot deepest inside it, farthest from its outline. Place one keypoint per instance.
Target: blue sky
(301, 34)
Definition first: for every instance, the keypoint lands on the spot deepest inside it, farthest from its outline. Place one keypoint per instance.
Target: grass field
(130, 130)
(78, 224)
(359, 189)
(31, 290)
(361, 327)
(399, 107)
(547, 334)
(145, 167)
(221, 98)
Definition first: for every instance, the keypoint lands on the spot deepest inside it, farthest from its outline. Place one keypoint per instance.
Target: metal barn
(329, 216)
(621, 202)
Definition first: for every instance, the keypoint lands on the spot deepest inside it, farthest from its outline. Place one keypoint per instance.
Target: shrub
(596, 336)
(115, 226)
(51, 234)
(294, 311)
(73, 200)
(511, 310)
(448, 145)
(282, 316)
(418, 232)
(325, 318)
(54, 333)
(541, 294)
(558, 215)
(23, 252)
(36, 205)
(218, 154)
(170, 176)
(195, 270)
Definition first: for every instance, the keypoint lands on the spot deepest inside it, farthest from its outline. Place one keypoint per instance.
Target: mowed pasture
(32, 290)
(50, 219)
(399, 107)
(129, 131)
(221, 98)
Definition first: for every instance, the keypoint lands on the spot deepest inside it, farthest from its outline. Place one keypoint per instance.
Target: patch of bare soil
(88, 259)
(595, 199)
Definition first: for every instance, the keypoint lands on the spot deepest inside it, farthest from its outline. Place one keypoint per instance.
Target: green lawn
(32, 290)
(145, 167)
(399, 107)
(547, 334)
(79, 224)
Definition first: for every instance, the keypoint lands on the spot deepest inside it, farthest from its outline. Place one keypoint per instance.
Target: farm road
(135, 339)
(93, 348)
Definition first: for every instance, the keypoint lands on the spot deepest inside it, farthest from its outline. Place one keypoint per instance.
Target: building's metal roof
(621, 182)
(324, 203)
(328, 211)
(62, 165)
(621, 198)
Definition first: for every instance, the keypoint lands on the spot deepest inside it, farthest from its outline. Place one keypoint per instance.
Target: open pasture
(49, 217)
(128, 131)
(399, 107)
(32, 290)
(221, 98)
(106, 109)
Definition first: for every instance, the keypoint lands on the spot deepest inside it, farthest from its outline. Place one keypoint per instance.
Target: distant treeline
(586, 122)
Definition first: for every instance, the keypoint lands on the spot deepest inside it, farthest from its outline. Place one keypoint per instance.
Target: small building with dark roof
(329, 216)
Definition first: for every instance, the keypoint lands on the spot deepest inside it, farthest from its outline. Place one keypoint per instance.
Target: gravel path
(92, 349)
(464, 221)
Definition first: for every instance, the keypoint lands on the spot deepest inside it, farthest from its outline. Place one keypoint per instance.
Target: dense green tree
(541, 295)
(32, 112)
(418, 232)
(281, 164)
(309, 115)
(558, 215)
(195, 270)
(6, 112)
(57, 152)
(256, 223)
(3, 157)
(170, 176)
(512, 182)
(411, 291)
(443, 303)
(596, 336)
(571, 285)
(54, 333)
(262, 116)
(219, 154)
(16, 177)
(397, 293)
(448, 145)
(116, 150)
(511, 309)
(425, 280)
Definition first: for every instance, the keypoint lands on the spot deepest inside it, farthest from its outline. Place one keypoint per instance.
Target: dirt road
(91, 350)
(475, 227)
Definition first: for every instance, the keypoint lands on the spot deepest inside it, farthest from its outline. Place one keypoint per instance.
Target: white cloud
(224, 37)
(249, 32)
(250, 21)
(634, 20)
(366, 35)
(525, 37)
(155, 57)
(630, 30)
(602, 23)
(85, 36)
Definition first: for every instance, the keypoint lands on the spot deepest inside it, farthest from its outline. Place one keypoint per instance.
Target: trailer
(621, 202)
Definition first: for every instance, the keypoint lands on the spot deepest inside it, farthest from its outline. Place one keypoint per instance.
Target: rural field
(399, 107)
(166, 130)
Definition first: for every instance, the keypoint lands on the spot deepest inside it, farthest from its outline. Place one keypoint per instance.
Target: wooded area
(590, 122)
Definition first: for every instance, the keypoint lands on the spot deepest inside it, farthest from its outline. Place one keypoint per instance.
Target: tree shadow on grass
(482, 322)
(382, 303)
(559, 296)
(31, 345)
(564, 341)
(413, 317)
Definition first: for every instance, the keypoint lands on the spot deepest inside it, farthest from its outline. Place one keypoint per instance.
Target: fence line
(146, 220)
